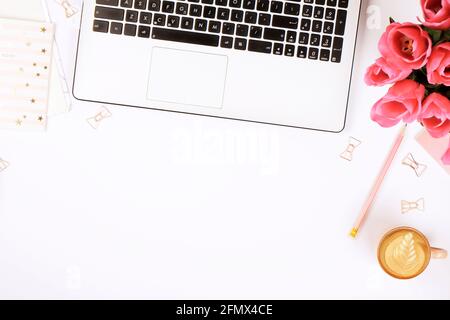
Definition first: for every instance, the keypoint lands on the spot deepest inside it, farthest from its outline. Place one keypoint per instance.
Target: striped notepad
(25, 60)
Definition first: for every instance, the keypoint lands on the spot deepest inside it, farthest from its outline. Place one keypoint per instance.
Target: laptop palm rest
(187, 77)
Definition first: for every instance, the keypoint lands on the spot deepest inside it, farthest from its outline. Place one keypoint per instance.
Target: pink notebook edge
(435, 147)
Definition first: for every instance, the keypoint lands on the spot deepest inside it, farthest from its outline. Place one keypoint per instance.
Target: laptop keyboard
(307, 29)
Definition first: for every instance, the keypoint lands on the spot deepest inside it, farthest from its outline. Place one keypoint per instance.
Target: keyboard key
(208, 1)
(336, 53)
(250, 17)
(186, 37)
(303, 38)
(305, 25)
(195, 10)
(330, 14)
(223, 14)
(315, 40)
(262, 5)
(214, 26)
(320, 2)
(276, 7)
(159, 19)
(131, 16)
(228, 28)
(255, 32)
(291, 36)
(328, 27)
(313, 53)
(340, 22)
(130, 30)
(168, 6)
(200, 24)
(108, 2)
(100, 26)
(274, 34)
(264, 19)
(237, 15)
(292, 9)
(182, 8)
(173, 21)
(209, 12)
(226, 42)
(324, 55)
(154, 5)
(145, 18)
(317, 26)
(284, 22)
(278, 49)
(221, 2)
(144, 32)
(260, 46)
(289, 50)
(140, 4)
(187, 23)
(326, 41)
(242, 30)
(331, 3)
(307, 11)
(235, 3)
(240, 43)
(302, 52)
(319, 12)
(343, 3)
(109, 13)
(249, 4)
(126, 3)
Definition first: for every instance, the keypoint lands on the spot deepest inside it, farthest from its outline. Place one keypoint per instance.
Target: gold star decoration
(45, 67)
(38, 74)
(18, 122)
(40, 118)
(34, 64)
(44, 51)
(43, 29)
(33, 100)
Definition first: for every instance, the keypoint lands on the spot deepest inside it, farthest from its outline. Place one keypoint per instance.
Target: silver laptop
(269, 61)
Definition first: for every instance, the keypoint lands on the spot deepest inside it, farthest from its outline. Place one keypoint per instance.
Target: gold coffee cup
(405, 253)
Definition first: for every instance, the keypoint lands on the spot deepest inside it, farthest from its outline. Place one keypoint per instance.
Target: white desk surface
(164, 205)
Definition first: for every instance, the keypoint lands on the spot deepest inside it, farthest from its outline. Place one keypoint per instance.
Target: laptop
(286, 63)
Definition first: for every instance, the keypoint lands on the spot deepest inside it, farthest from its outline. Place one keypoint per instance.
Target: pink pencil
(376, 187)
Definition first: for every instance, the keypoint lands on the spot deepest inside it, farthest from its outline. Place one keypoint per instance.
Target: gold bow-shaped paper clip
(408, 206)
(99, 117)
(418, 168)
(3, 164)
(69, 9)
(352, 144)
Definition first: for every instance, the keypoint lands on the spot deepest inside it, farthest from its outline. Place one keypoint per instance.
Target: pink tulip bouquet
(415, 59)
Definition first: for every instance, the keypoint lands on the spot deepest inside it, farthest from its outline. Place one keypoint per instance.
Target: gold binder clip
(418, 168)
(3, 164)
(69, 9)
(99, 117)
(348, 153)
(408, 206)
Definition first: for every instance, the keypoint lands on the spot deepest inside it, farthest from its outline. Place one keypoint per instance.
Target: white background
(163, 205)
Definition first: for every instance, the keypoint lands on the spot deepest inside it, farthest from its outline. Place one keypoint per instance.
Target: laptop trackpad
(187, 77)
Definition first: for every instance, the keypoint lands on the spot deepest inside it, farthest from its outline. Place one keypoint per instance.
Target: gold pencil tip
(353, 233)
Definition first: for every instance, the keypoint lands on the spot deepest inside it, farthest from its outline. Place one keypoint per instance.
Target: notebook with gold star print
(25, 63)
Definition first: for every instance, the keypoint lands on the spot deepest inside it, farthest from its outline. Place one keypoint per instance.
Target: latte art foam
(404, 254)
